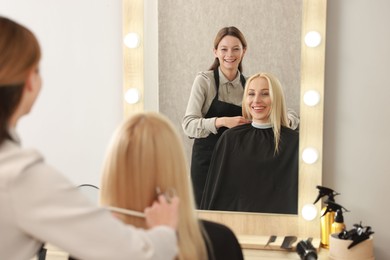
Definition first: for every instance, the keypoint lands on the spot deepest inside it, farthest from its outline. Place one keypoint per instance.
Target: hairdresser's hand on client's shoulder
(231, 122)
(163, 212)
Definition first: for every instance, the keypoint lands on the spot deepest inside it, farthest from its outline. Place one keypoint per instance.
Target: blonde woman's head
(266, 90)
(146, 153)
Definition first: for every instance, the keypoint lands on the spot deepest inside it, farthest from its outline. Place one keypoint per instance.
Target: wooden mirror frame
(311, 125)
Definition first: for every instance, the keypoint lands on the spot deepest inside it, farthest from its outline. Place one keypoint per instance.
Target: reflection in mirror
(271, 46)
(272, 29)
(311, 78)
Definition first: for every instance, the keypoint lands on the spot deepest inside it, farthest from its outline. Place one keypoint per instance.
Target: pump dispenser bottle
(327, 214)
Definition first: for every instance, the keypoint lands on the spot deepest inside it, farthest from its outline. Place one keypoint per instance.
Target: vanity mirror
(310, 106)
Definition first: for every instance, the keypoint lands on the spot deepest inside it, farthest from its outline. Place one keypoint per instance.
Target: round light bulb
(309, 212)
(313, 39)
(311, 98)
(132, 40)
(310, 155)
(132, 95)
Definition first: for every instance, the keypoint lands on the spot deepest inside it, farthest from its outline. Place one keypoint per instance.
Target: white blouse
(38, 204)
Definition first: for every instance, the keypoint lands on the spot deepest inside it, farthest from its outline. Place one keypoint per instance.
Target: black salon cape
(245, 175)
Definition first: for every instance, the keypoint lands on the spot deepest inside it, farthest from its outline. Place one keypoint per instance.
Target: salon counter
(258, 248)
(249, 254)
(54, 253)
(254, 254)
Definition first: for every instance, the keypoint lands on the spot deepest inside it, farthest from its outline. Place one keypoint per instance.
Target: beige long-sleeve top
(38, 204)
(202, 94)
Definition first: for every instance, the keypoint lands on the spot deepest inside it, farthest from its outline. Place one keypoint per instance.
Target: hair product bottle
(338, 225)
(327, 219)
(327, 214)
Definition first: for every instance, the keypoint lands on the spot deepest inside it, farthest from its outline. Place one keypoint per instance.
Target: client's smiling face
(258, 100)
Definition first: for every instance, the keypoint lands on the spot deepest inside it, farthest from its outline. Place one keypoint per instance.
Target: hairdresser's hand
(163, 212)
(230, 122)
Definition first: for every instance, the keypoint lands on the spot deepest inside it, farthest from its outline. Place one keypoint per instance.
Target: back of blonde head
(146, 153)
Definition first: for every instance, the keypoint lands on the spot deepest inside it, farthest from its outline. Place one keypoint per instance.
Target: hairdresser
(37, 203)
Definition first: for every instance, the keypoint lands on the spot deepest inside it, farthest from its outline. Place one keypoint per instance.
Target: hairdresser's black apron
(202, 149)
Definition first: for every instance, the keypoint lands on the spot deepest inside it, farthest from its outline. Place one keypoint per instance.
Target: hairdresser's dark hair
(232, 31)
(20, 52)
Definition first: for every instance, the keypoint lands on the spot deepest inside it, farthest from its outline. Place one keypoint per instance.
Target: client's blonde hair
(278, 113)
(146, 153)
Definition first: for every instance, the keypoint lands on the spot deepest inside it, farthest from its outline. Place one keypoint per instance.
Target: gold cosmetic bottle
(332, 221)
(327, 214)
(326, 226)
(338, 225)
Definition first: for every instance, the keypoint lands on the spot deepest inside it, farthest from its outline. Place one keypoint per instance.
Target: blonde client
(254, 167)
(146, 153)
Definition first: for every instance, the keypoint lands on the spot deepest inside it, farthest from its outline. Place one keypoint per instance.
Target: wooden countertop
(255, 247)
(253, 254)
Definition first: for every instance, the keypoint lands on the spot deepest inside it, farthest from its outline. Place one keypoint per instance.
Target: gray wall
(357, 113)
(78, 107)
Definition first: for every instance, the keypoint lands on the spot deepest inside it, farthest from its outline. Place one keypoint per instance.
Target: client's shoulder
(289, 131)
(238, 129)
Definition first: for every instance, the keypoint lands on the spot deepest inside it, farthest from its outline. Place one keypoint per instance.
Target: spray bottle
(338, 225)
(327, 213)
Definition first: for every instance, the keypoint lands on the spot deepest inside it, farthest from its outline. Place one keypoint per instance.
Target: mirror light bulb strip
(309, 212)
(132, 96)
(132, 40)
(312, 39)
(311, 98)
(310, 155)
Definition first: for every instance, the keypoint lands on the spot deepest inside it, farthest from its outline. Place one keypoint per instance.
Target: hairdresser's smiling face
(258, 100)
(229, 53)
